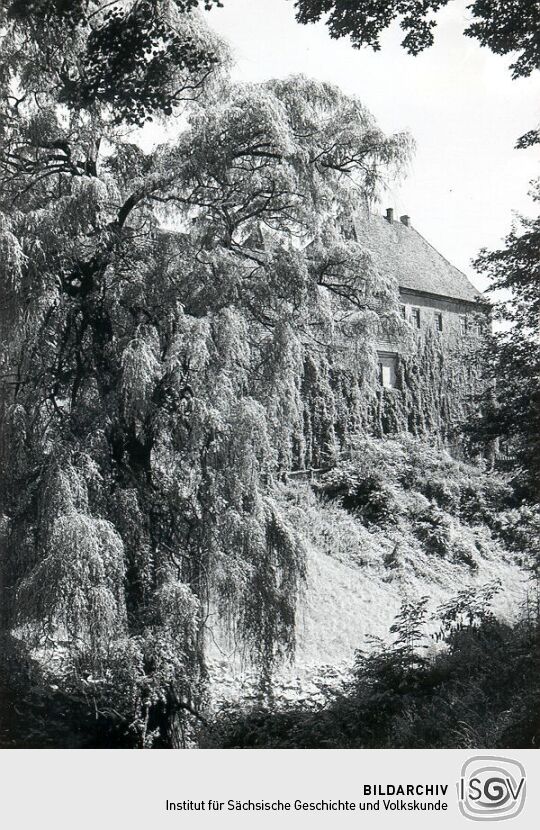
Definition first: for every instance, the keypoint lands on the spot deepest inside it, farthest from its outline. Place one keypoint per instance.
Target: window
(386, 376)
(404, 311)
(438, 321)
(463, 323)
(387, 370)
(415, 317)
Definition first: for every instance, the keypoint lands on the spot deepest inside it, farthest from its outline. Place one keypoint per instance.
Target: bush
(365, 494)
(482, 690)
(484, 496)
(434, 529)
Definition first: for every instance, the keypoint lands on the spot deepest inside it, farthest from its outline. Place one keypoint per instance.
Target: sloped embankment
(398, 520)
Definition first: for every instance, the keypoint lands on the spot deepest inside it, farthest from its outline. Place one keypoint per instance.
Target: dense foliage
(510, 408)
(479, 690)
(112, 63)
(179, 329)
(456, 675)
(158, 312)
(135, 56)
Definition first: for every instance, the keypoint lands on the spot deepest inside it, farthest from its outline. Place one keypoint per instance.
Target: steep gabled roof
(400, 251)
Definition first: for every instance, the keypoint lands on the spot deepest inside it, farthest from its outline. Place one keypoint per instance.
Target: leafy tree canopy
(511, 406)
(139, 57)
(504, 26)
(158, 310)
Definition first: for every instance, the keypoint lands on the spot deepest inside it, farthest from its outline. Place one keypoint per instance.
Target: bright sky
(457, 99)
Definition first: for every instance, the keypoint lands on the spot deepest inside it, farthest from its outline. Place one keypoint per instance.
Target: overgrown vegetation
(480, 689)
(179, 329)
(405, 483)
(510, 406)
(159, 310)
(458, 676)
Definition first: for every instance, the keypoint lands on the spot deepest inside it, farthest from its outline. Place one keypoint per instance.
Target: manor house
(437, 300)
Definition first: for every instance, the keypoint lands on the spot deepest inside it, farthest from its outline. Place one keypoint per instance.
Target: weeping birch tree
(163, 313)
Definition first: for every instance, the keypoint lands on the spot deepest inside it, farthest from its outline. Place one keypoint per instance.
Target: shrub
(445, 492)
(364, 494)
(482, 690)
(484, 496)
(434, 529)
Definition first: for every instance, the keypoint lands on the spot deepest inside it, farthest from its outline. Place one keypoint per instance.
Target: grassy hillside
(398, 520)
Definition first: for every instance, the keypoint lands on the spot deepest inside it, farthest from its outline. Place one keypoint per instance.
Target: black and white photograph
(270, 376)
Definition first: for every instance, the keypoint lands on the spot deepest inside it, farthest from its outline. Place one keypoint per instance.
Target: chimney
(390, 214)
(406, 220)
